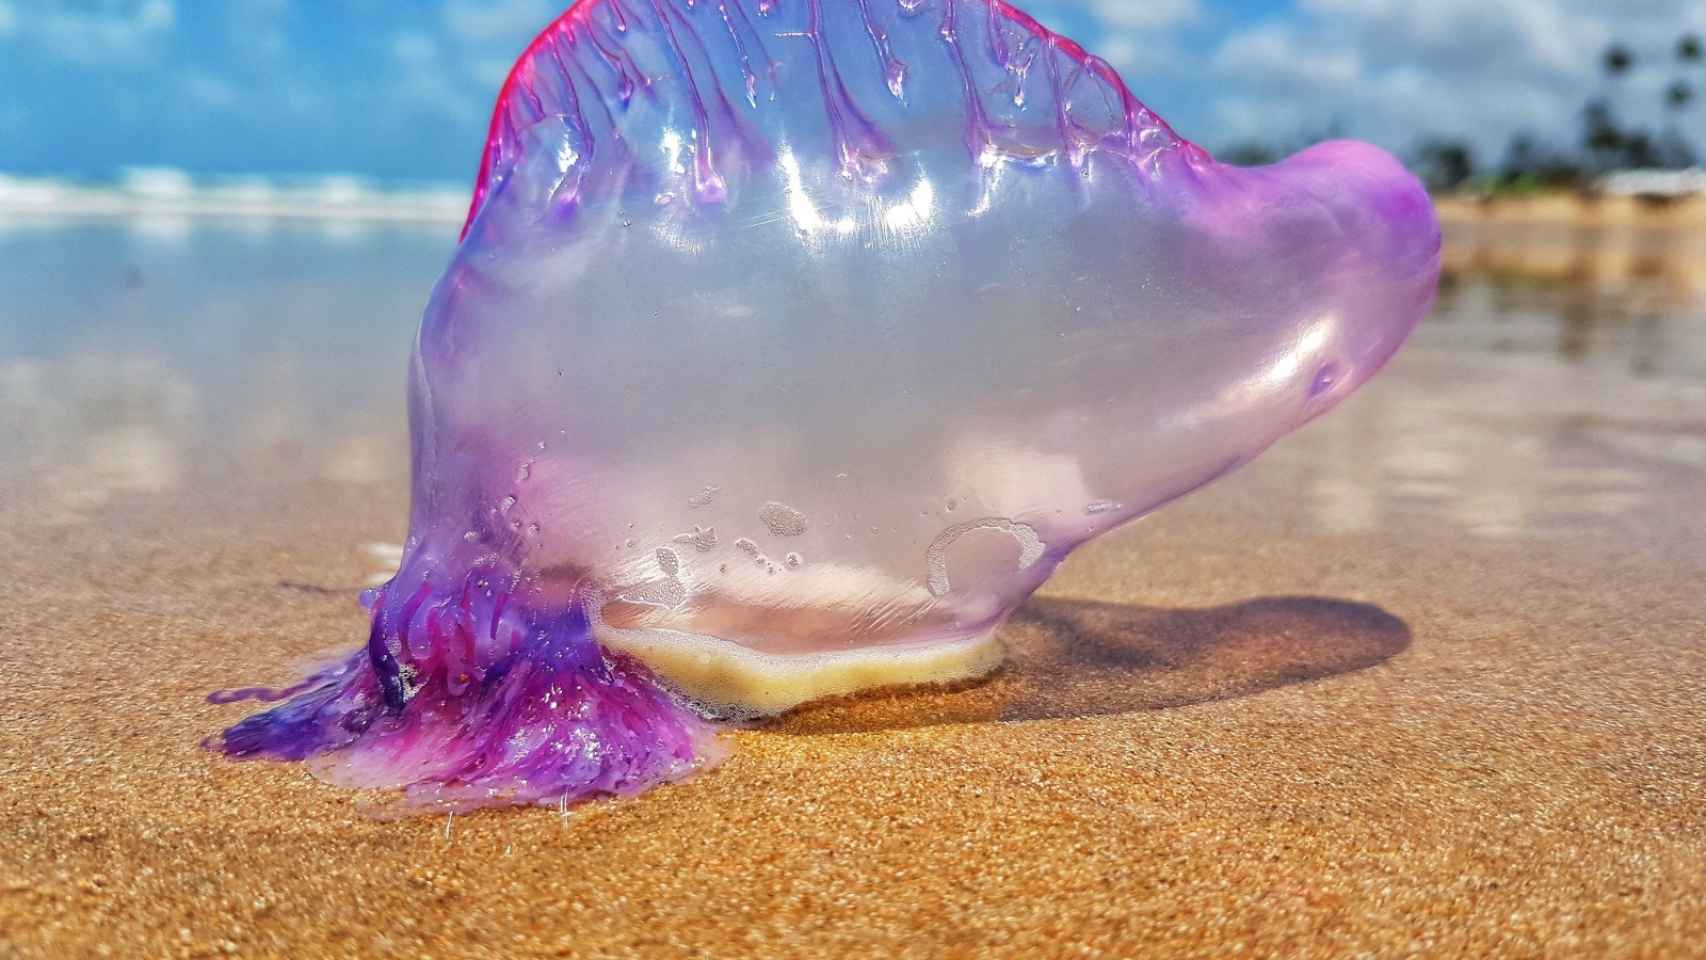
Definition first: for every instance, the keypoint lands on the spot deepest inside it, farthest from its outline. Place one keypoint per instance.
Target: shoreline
(1602, 241)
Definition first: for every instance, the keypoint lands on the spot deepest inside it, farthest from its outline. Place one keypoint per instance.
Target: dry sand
(1429, 679)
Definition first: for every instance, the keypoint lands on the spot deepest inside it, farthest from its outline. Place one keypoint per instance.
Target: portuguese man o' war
(790, 345)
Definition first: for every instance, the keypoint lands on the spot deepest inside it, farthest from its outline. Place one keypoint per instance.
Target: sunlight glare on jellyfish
(790, 345)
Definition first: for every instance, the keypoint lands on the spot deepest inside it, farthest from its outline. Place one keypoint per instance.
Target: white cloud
(1395, 71)
(457, 65)
(427, 80)
(257, 29)
(485, 20)
(1144, 14)
(1136, 36)
(206, 90)
(1545, 34)
(1275, 55)
(107, 32)
(490, 72)
(414, 48)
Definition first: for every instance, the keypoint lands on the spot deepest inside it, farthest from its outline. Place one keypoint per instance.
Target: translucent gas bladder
(789, 347)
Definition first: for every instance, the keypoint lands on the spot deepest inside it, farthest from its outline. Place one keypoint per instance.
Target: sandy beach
(1603, 241)
(1427, 679)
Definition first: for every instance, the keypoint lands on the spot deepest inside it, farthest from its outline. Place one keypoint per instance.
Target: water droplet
(936, 555)
(668, 562)
(471, 537)
(702, 538)
(783, 520)
(1325, 378)
(630, 543)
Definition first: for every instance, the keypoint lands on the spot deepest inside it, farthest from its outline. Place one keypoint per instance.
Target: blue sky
(400, 89)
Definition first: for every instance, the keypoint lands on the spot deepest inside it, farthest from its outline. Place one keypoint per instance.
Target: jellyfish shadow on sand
(1077, 658)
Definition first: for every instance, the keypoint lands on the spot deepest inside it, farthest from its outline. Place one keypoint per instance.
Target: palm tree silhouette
(1689, 49)
(1679, 96)
(1617, 60)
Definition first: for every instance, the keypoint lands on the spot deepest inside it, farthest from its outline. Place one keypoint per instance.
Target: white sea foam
(166, 192)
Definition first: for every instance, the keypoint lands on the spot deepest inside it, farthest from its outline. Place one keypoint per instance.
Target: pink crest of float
(520, 104)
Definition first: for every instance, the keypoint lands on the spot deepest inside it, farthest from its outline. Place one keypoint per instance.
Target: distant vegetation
(1606, 142)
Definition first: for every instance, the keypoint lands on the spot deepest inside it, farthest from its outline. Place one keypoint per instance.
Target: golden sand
(1429, 679)
(1294, 744)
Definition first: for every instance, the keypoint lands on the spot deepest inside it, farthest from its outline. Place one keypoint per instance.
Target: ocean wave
(167, 191)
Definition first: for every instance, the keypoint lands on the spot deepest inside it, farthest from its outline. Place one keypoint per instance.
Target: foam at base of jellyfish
(697, 646)
(791, 344)
(733, 682)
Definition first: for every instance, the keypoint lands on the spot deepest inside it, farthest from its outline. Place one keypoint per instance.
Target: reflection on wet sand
(156, 363)
(1558, 386)
(1527, 406)
(92, 427)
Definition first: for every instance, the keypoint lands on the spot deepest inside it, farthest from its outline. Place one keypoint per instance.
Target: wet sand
(1430, 678)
